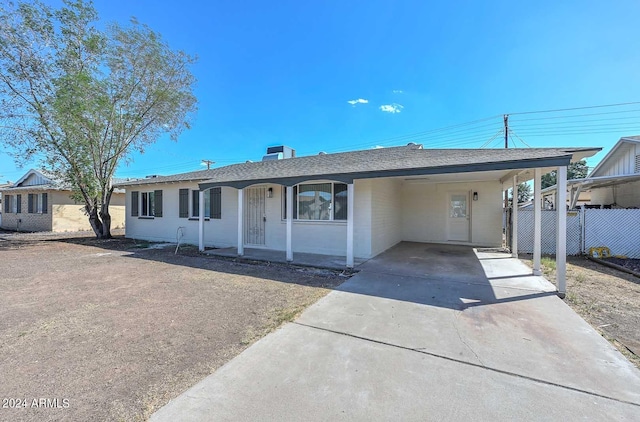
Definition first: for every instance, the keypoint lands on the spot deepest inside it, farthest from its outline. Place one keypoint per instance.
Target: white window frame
(194, 212)
(10, 201)
(149, 198)
(297, 202)
(37, 207)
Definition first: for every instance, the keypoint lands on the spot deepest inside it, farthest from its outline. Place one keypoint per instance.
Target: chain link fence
(525, 232)
(616, 229)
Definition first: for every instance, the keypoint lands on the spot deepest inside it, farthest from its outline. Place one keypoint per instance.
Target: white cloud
(358, 101)
(398, 91)
(392, 108)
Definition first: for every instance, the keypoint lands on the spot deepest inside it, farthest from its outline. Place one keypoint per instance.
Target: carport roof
(407, 160)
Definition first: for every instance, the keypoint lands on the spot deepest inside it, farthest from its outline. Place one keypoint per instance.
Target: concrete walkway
(425, 332)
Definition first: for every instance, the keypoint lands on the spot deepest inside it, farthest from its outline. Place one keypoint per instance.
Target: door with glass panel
(255, 216)
(458, 217)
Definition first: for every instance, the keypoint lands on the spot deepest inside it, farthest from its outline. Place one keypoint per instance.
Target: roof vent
(411, 144)
(151, 176)
(322, 153)
(248, 161)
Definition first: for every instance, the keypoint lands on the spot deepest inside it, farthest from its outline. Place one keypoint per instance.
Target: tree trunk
(106, 222)
(94, 221)
(104, 214)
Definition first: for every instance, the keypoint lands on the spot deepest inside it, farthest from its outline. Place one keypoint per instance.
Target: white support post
(514, 218)
(537, 220)
(201, 221)
(240, 221)
(350, 202)
(561, 231)
(289, 207)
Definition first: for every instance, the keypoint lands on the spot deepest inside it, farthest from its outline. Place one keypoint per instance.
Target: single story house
(2, 186)
(39, 202)
(354, 204)
(613, 183)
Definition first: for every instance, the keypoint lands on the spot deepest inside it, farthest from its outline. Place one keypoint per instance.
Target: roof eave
(563, 160)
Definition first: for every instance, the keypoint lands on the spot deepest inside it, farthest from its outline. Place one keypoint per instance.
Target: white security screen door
(254, 216)
(458, 217)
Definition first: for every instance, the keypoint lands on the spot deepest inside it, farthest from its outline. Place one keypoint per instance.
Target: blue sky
(283, 72)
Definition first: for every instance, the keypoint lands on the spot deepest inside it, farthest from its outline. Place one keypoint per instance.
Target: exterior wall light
(475, 196)
(270, 193)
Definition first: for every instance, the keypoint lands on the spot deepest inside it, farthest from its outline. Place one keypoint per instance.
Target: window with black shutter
(134, 204)
(184, 203)
(158, 203)
(216, 203)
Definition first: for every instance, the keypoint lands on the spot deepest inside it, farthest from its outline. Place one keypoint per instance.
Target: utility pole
(506, 131)
(208, 163)
(509, 226)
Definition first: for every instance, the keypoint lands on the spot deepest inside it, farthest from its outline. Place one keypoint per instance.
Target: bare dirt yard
(606, 298)
(107, 330)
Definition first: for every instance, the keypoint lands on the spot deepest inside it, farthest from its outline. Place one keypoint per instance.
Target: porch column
(537, 220)
(350, 201)
(201, 221)
(514, 218)
(289, 208)
(561, 231)
(240, 221)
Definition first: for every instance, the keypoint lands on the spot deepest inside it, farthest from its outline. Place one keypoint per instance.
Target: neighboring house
(2, 186)
(38, 202)
(356, 203)
(613, 183)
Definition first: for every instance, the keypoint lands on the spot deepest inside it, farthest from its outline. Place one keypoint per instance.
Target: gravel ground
(606, 298)
(106, 330)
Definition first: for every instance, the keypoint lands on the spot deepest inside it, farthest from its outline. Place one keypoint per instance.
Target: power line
(574, 108)
(577, 115)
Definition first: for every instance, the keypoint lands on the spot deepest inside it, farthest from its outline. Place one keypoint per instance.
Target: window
(637, 169)
(212, 203)
(317, 201)
(18, 205)
(37, 203)
(146, 204)
(9, 204)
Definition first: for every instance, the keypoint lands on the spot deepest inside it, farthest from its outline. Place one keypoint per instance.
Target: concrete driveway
(425, 332)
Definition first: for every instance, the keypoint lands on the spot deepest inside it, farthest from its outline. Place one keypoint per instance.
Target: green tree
(524, 193)
(577, 170)
(81, 100)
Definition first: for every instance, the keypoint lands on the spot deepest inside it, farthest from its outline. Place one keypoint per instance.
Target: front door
(458, 217)
(254, 216)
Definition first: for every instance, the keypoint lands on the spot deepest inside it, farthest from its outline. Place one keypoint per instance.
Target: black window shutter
(45, 203)
(184, 203)
(7, 199)
(30, 198)
(295, 202)
(216, 203)
(134, 203)
(18, 204)
(195, 203)
(157, 195)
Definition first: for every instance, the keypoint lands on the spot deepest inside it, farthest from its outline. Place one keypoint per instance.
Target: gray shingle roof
(394, 161)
